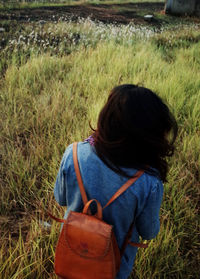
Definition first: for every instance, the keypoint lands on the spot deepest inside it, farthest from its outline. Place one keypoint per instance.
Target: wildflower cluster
(63, 37)
(65, 34)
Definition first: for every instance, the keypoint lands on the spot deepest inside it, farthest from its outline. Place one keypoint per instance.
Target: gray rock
(148, 17)
(42, 22)
(45, 224)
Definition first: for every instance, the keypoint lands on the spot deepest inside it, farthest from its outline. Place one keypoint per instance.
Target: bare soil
(110, 13)
(116, 13)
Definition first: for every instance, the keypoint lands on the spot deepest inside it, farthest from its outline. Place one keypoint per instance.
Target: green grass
(16, 4)
(6, 5)
(47, 99)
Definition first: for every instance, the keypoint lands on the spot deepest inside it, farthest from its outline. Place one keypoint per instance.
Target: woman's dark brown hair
(133, 131)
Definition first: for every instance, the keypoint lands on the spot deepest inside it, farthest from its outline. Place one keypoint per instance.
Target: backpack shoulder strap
(121, 190)
(78, 174)
(80, 183)
(124, 187)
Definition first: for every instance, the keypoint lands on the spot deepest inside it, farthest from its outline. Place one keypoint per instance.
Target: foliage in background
(54, 80)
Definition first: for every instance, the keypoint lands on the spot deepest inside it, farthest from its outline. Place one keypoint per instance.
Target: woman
(132, 134)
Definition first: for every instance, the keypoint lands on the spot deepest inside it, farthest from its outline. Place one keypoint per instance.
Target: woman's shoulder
(87, 157)
(84, 151)
(148, 185)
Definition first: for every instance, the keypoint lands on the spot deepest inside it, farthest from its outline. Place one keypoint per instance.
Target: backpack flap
(87, 236)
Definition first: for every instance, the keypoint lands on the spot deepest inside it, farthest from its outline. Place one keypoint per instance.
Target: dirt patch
(117, 13)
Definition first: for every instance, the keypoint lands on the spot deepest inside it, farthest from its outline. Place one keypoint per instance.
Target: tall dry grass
(47, 103)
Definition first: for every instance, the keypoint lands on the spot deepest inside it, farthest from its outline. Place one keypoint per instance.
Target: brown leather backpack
(87, 247)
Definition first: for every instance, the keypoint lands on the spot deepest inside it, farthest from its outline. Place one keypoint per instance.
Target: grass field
(54, 79)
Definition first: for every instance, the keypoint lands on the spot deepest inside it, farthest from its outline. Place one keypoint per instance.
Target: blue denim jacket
(141, 202)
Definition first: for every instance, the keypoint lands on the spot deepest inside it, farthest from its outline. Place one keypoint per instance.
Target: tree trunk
(197, 8)
(180, 6)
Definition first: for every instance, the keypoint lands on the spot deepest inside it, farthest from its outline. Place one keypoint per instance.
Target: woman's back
(140, 203)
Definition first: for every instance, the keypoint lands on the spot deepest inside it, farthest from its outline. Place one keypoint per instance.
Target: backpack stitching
(108, 242)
